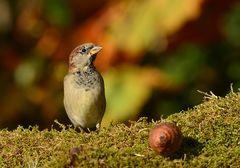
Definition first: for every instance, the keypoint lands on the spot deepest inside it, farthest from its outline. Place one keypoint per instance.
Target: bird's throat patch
(86, 79)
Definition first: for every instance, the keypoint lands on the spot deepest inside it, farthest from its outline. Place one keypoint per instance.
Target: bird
(84, 92)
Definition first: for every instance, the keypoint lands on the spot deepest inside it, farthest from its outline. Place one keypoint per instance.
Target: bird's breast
(83, 100)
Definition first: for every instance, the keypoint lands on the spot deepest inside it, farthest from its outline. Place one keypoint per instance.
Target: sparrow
(84, 95)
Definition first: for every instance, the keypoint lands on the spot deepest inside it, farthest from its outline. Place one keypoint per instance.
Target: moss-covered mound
(211, 139)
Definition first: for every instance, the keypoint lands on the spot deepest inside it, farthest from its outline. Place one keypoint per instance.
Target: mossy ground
(211, 139)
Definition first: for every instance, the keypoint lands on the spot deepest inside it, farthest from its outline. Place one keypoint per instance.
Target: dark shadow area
(190, 147)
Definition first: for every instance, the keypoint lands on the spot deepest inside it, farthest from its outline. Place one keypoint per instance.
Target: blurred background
(156, 55)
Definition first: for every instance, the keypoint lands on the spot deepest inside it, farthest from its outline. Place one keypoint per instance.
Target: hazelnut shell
(165, 138)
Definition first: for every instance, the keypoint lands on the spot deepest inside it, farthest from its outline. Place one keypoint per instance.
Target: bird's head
(82, 57)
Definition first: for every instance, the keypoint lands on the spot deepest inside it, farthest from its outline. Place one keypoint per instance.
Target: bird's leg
(80, 129)
(98, 127)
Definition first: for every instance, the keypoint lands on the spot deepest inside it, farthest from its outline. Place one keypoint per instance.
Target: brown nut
(165, 138)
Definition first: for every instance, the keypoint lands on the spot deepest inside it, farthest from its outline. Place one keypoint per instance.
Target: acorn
(165, 138)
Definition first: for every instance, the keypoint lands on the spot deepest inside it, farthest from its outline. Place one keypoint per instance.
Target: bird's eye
(84, 50)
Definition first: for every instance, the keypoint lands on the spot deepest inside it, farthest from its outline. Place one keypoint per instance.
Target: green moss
(211, 139)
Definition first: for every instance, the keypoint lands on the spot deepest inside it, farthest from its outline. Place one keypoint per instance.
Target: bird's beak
(95, 50)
